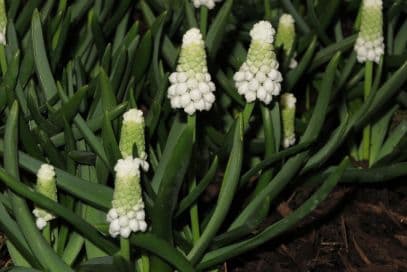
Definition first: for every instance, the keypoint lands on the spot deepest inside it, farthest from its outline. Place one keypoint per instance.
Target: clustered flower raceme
(369, 44)
(127, 213)
(287, 102)
(258, 77)
(286, 36)
(3, 22)
(191, 86)
(210, 4)
(46, 185)
(132, 133)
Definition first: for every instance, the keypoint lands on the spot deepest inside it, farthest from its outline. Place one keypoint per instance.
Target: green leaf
(217, 29)
(227, 192)
(42, 251)
(55, 208)
(167, 182)
(219, 255)
(192, 196)
(42, 67)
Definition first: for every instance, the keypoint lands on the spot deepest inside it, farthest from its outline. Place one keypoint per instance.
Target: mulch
(356, 229)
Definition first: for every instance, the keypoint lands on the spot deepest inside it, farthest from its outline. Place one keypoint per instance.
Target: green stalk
(3, 60)
(367, 129)
(46, 232)
(125, 248)
(203, 20)
(193, 211)
(267, 10)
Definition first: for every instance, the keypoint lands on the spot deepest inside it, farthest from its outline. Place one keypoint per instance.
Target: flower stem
(267, 10)
(125, 248)
(193, 211)
(203, 20)
(46, 232)
(367, 129)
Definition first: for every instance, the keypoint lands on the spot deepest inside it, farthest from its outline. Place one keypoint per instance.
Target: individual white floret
(191, 82)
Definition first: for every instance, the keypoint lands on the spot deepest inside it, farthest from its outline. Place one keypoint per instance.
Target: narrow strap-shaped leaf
(163, 249)
(99, 196)
(42, 67)
(227, 192)
(77, 222)
(15, 236)
(219, 255)
(40, 248)
(217, 29)
(192, 196)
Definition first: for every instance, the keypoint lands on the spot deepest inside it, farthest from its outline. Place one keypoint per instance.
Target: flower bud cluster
(132, 133)
(46, 185)
(369, 45)
(210, 4)
(288, 101)
(127, 213)
(259, 77)
(191, 86)
(3, 22)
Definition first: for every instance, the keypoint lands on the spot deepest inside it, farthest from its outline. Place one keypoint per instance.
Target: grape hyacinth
(127, 213)
(258, 77)
(132, 133)
(3, 23)
(210, 4)
(288, 101)
(286, 36)
(46, 185)
(191, 86)
(369, 44)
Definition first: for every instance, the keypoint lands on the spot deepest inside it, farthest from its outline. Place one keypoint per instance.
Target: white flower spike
(132, 133)
(286, 36)
(369, 44)
(210, 4)
(191, 86)
(3, 23)
(288, 101)
(258, 77)
(46, 185)
(127, 213)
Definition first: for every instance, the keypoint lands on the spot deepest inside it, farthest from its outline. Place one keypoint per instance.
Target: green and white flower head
(288, 101)
(127, 213)
(210, 4)
(46, 185)
(3, 22)
(286, 36)
(369, 44)
(286, 33)
(258, 77)
(191, 86)
(132, 133)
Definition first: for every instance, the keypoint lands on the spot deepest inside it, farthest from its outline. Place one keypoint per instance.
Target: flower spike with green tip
(288, 101)
(258, 77)
(46, 185)
(191, 86)
(132, 133)
(210, 4)
(127, 213)
(286, 36)
(369, 44)
(3, 22)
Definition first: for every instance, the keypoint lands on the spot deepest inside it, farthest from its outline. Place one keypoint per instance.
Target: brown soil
(356, 229)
